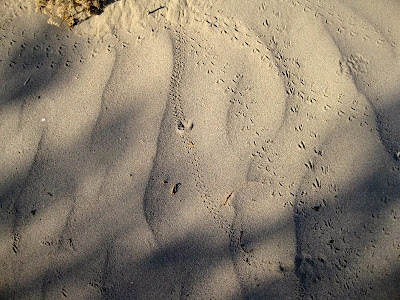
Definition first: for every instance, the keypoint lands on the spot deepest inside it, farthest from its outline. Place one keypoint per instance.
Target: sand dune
(202, 150)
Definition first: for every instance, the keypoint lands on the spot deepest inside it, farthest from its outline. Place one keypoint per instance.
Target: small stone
(397, 155)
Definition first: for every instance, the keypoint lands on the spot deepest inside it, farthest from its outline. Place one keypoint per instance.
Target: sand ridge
(201, 149)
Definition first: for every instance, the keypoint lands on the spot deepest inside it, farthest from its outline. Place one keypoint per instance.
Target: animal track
(178, 69)
(16, 241)
(354, 65)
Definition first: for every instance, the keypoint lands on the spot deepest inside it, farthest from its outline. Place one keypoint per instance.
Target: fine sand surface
(210, 149)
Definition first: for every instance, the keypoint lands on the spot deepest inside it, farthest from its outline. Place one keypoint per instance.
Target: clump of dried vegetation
(69, 11)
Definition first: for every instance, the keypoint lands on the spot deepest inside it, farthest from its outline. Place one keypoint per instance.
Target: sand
(201, 150)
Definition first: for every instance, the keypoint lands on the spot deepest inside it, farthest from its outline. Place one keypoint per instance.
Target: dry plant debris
(236, 187)
(69, 11)
(174, 188)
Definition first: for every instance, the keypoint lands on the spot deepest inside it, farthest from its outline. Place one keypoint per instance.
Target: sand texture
(193, 149)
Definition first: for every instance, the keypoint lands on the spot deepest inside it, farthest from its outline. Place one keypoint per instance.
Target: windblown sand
(193, 149)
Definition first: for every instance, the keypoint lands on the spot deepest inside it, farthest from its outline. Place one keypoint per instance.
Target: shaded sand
(202, 150)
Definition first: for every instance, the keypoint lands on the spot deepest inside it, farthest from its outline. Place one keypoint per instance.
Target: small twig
(236, 187)
(227, 197)
(174, 188)
(157, 9)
